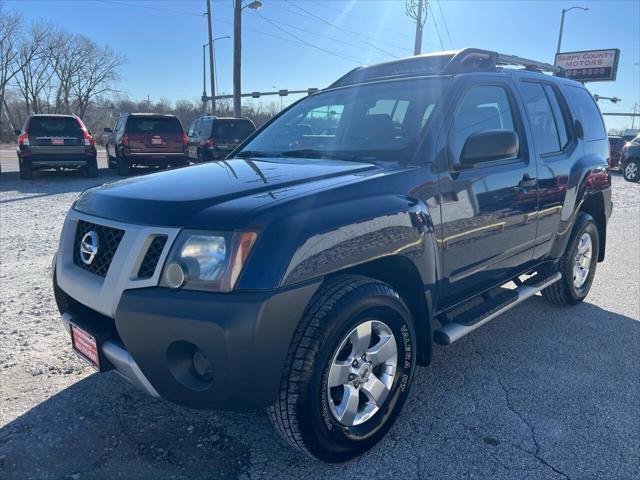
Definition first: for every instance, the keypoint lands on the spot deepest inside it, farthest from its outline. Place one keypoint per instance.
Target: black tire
(201, 158)
(564, 291)
(111, 162)
(123, 166)
(91, 170)
(631, 171)
(302, 415)
(26, 172)
(182, 163)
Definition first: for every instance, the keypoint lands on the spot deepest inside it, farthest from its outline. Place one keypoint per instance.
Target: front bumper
(152, 337)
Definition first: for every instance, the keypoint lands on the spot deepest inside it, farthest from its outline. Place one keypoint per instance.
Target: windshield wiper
(311, 153)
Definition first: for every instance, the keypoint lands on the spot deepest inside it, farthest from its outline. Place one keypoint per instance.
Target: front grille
(108, 240)
(151, 258)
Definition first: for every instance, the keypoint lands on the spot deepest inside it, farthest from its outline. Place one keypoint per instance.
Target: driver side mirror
(488, 146)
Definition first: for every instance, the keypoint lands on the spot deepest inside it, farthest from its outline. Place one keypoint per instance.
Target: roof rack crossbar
(529, 64)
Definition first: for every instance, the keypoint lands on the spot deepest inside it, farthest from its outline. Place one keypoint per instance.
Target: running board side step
(484, 313)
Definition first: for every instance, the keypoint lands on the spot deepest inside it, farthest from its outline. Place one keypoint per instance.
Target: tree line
(46, 70)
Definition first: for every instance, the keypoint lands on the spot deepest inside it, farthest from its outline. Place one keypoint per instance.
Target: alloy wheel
(362, 372)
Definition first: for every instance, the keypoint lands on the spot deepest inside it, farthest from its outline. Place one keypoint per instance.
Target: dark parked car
(630, 160)
(312, 271)
(55, 141)
(616, 143)
(213, 138)
(147, 139)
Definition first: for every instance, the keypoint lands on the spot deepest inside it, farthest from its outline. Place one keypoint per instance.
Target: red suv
(55, 141)
(149, 139)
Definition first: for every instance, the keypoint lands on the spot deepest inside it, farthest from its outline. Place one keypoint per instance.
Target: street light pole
(237, 51)
(565, 10)
(211, 67)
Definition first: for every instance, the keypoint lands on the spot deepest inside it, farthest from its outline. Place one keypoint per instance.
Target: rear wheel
(201, 158)
(631, 172)
(181, 163)
(123, 166)
(577, 265)
(26, 171)
(91, 170)
(348, 370)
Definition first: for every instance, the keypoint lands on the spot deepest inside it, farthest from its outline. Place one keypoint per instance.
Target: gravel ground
(541, 393)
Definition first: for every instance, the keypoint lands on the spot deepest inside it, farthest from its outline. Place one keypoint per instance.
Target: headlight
(205, 260)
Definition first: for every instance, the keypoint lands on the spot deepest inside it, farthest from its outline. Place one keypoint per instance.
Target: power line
(435, 24)
(321, 35)
(445, 23)
(348, 32)
(357, 17)
(176, 12)
(300, 40)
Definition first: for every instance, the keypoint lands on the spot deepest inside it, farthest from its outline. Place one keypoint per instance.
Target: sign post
(591, 65)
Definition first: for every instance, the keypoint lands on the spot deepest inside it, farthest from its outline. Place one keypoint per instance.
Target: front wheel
(577, 265)
(631, 172)
(348, 370)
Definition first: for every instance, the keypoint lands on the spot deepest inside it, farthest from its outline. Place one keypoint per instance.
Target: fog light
(174, 275)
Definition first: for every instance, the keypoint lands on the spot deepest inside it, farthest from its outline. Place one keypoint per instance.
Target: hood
(175, 197)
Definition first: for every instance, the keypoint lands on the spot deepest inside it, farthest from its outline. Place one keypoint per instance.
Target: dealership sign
(590, 66)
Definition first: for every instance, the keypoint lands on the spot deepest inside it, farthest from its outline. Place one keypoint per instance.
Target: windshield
(372, 122)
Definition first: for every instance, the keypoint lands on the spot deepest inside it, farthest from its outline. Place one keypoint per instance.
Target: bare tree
(97, 73)
(66, 55)
(15, 50)
(36, 74)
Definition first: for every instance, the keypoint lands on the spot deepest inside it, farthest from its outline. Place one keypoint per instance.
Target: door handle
(528, 182)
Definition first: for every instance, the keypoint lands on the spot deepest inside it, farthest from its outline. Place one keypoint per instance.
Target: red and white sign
(590, 66)
(156, 141)
(85, 344)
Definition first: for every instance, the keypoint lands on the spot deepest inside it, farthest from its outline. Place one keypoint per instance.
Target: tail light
(210, 142)
(125, 140)
(88, 139)
(185, 139)
(23, 139)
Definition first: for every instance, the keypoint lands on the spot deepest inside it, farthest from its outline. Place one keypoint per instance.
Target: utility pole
(237, 55)
(211, 67)
(148, 104)
(237, 51)
(204, 80)
(417, 9)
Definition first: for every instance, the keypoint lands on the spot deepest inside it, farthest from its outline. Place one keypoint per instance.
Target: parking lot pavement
(542, 392)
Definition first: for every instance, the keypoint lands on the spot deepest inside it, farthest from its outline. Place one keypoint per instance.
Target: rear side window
(232, 131)
(586, 110)
(153, 125)
(563, 133)
(54, 127)
(484, 107)
(541, 118)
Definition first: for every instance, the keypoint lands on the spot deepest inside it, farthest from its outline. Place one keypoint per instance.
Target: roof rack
(473, 59)
(443, 63)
